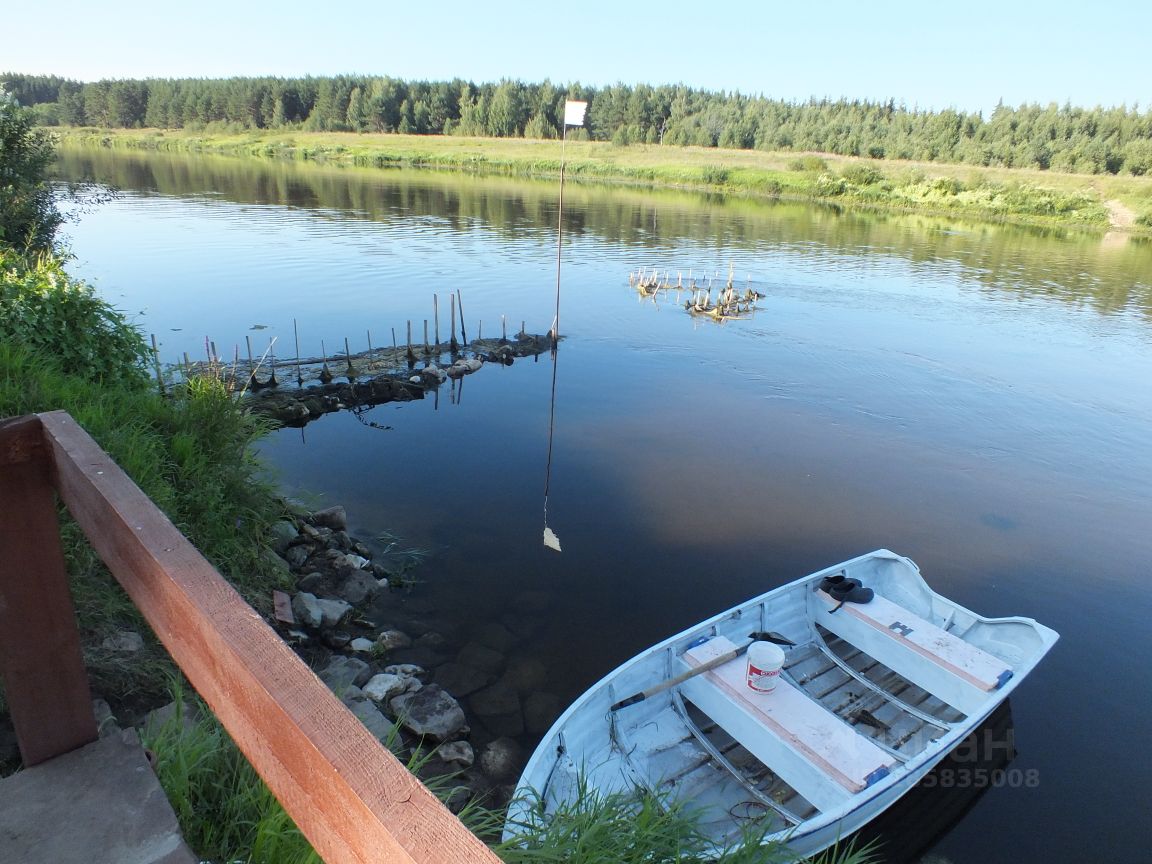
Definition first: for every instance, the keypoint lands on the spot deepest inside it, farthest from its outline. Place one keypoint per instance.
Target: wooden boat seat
(818, 754)
(942, 663)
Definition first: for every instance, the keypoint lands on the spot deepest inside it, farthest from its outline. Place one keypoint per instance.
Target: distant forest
(1059, 138)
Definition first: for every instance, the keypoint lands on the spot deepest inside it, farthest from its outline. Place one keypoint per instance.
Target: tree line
(1053, 137)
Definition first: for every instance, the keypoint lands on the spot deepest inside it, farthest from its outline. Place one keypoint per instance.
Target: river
(975, 397)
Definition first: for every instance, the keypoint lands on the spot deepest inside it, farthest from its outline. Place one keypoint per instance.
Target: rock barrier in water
(375, 377)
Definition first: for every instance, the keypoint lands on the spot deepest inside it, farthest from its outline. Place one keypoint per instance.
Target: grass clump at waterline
(1023, 196)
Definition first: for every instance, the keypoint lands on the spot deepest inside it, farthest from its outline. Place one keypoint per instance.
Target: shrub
(810, 163)
(714, 175)
(44, 309)
(859, 174)
(28, 214)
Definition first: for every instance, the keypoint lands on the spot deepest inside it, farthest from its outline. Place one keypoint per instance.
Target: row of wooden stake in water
(374, 359)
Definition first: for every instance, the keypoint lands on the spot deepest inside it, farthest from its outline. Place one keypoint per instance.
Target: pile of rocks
(468, 700)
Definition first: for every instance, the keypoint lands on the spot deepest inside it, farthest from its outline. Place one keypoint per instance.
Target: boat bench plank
(819, 755)
(918, 650)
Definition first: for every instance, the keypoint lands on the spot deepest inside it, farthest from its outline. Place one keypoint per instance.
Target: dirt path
(1119, 215)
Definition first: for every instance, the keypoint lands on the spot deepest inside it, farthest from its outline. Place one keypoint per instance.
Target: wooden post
(411, 357)
(40, 659)
(436, 317)
(460, 303)
(299, 374)
(452, 341)
(352, 799)
(427, 350)
(348, 356)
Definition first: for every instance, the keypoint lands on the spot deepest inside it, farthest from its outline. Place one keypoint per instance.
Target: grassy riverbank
(997, 194)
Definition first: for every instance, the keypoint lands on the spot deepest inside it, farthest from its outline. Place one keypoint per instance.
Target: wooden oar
(700, 670)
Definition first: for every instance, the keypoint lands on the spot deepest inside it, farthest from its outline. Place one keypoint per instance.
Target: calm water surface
(977, 398)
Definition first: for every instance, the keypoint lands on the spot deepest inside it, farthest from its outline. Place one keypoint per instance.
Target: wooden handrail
(352, 799)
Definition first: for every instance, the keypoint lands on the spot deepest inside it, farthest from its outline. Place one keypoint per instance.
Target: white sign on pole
(574, 113)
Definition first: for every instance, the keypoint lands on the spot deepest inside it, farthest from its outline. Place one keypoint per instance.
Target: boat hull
(721, 751)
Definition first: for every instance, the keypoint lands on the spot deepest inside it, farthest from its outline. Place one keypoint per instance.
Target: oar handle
(701, 669)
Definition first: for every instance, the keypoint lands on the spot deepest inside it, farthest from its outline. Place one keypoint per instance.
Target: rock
(362, 645)
(311, 582)
(105, 720)
(430, 713)
(431, 640)
(357, 587)
(526, 674)
(460, 679)
(411, 670)
(296, 556)
(124, 642)
(481, 657)
(334, 518)
(540, 712)
(433, 374)
(340, 540)
(277, 565)
(281, 535)
(186, 711)
(390, 640)
(458, 752)
(337, 640)
(498, 707)
(496, 636)
(312, 611)
(374, 721)
(361, 550)
(343, 671)
(501, 759)
(385, 687)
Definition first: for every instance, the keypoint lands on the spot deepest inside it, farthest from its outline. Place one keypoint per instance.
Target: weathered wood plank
(352, 799)
(40, 658)
(21, 440)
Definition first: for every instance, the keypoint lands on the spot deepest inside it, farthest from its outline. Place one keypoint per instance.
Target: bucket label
(762, 680)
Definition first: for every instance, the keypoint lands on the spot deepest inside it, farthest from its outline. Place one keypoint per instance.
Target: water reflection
(1088, 268)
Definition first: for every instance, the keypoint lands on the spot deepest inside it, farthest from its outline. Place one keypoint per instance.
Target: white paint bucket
(764, 662)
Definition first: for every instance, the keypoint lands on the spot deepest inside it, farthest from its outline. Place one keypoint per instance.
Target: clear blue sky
(934, 55)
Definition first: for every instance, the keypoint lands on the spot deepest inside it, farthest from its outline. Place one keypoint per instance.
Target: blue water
(975, 398)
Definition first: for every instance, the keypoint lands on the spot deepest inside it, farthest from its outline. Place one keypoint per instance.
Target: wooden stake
(436, 316)
(299, 374)
(452, 341)
(427, 351)
(460, 303)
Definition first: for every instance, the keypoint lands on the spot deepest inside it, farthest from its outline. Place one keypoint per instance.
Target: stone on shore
(459, 753)
(334, 518)
(430, 713)
(385, 687)
(313, 611)
(342, 672)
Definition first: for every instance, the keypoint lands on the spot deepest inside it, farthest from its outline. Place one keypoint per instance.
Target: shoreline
(993, 195)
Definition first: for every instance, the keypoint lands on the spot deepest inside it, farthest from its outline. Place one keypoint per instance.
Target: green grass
(996, 194)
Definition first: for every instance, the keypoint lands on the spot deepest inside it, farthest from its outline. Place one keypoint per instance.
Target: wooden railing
(354, 801)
